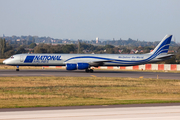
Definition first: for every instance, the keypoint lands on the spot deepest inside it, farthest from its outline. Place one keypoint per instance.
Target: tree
(9, 53)
(32, 45)
(40, 50)
(2, 46)
(171, 61)
(68, 48)
(21, 50)
(109, 46)
(110, 51)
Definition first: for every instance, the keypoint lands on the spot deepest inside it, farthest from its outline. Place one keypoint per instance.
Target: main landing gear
(17, 68)
(89, 70)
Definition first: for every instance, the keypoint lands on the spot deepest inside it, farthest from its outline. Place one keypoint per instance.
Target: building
(97, 40)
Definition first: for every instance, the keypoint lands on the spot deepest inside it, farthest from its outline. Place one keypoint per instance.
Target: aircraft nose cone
(4, 61)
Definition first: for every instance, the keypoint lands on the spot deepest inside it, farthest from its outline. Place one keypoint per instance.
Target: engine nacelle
(71, 66)
(74, 66)
(82, 66)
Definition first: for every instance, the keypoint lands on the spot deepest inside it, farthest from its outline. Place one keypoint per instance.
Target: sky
(148, 20)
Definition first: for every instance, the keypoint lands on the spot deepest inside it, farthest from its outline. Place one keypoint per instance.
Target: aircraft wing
(97, 63)
(164, 56)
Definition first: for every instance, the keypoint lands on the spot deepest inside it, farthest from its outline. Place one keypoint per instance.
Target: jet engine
(74, 66)
(71, 66)
(82, 66)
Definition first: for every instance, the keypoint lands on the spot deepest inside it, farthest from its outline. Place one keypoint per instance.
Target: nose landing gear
(17, 68)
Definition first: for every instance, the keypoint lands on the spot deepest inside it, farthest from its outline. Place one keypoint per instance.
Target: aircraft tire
(87, 70)
(91, 70)
(17, 69)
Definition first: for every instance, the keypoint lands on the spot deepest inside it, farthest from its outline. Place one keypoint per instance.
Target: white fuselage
(92, 59)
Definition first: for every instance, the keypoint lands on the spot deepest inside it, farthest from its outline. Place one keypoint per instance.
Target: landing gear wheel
(91, 70)
(87, 70)
(17, 68)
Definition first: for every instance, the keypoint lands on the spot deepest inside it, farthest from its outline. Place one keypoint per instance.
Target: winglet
(163, 46)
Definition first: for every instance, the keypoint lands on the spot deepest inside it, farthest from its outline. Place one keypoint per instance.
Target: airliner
(88, 61)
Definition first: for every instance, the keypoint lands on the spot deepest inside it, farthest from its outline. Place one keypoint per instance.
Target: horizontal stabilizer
(164, 56)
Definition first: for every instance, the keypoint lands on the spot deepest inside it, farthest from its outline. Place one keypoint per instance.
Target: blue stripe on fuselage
(29, 59)
(163, 48)
(159, 51)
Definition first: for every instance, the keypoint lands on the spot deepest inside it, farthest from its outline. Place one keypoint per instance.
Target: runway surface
(110, 112)
(149, 112)
(96, 73)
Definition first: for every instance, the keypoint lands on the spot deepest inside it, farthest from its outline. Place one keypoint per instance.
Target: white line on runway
(134, 113)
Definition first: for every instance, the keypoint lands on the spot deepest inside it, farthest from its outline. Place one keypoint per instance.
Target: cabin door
(21, 58)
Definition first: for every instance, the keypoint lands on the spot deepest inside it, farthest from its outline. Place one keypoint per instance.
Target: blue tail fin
(163, 46)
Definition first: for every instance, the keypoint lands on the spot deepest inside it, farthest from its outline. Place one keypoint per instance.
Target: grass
(1, 61)
(16, 92)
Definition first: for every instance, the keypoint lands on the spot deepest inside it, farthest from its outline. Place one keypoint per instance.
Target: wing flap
(99, 63)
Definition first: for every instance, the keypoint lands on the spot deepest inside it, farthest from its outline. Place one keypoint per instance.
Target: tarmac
(116, 112)
(164, 111)
(96, 73)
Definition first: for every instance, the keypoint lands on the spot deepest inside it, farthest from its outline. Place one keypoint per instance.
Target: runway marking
(141, 77)
(93, 76)
(121, 114)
